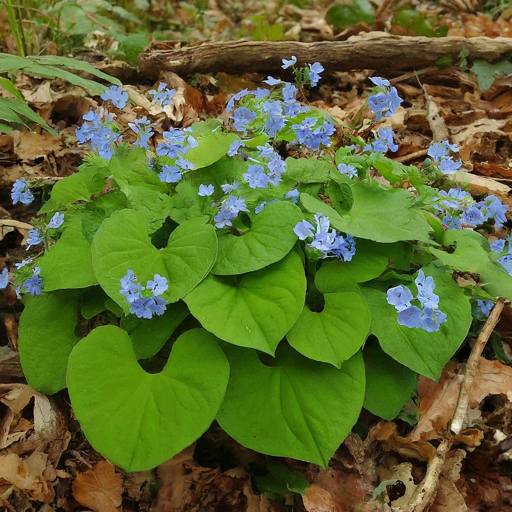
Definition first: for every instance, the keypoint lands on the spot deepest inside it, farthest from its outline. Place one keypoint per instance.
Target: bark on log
(376, 50)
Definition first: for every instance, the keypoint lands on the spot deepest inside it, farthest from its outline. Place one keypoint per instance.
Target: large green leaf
(308, 170)
(269, 239)
(46, 337)
(253, 310)
(297, 408)
(68, 264)
(122, 243)
(473, 254)
(383, 215)
(136, 419)
(149, 335)
(210, 148)
(421, 351)
(388, 383)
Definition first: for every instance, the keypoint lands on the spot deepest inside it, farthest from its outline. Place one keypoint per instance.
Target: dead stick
(471, 366)
(382, 52)
(424, 493)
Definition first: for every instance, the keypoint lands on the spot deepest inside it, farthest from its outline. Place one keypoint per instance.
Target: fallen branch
(425, 492)
(382, 52)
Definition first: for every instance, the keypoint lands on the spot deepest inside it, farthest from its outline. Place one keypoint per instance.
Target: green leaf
(486, 72)
(308, 170)
(253, 310)
(138, 420)
(351, 13)
(336, 333)
(269, 239)
(389, 169)
(122, 243)
(280, 481)
(210, 149)
(369, 262)
(423, 352)
(132, 45)
(388, 384)
(417, 23)
(383, 215)
(68, 264)
(297, 408)
(341, 196)
(473, 254)
(92, 302)
(46, 337)
(149, 336)
(11, 88)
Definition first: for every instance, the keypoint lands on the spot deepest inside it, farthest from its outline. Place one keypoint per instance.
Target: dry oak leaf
(99, 488)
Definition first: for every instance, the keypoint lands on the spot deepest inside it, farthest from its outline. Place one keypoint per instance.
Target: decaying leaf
(99, 488)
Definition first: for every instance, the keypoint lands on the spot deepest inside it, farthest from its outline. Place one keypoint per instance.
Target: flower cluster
(256, 176)
(140, 305)
(99, 130)
(328, 241)
(458, 209)
(162, 95)
(175, 145)
(142, 127)
(440, 154)
(383, 141)
(385, 102)
(312, 135)
(429, 318)
(21, 193)
(230, 208)
(116, 95)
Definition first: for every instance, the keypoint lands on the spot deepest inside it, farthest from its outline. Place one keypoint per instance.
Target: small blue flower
(347, 170)
(484, 307)
(56, 221)
(234, 147)
(116, 95)
(400, 297)
(23, 263)
(449, 166)
(34, 284)
(162, 95)
(226, 188)
(506, 263)
(379, 82)
(170, 174)
(235, 205)
(256, 177)
(498, 246)
(410, 317)
(288, 63)
(431, 319)
(21, 193)
(450, 222)
(184, 164)
(141, 307)
(4, 279)
(293, 196)
(314, 73)
(158, 285)
(223, 218)
(304, 230)
(492, 208)
(260, 207)
(272, 81)
(205, 190)
(241, 117)
(35, 238)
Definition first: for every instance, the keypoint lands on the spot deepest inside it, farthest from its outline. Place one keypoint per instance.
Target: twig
(425, 493)
(462, 403)
(411, 156)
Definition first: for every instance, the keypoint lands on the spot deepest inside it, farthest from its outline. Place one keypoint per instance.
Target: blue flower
(235, 205)
(431, 319)
(484, 307)
(400, 297)
(260, 207)
(289, 93)
(288, 63)
(293, 196)
(256, 177)
(276, 166)
(272, 81)
(498, 246)
(116, 95)
(23, 263)
(184, 164)
(506, 263)
(383, 141)
(450, 222)
(236, 97)
(234, 147)
(170, 174)
(410, 317)
(34, 284)
(347, 170)
(141, 307)
(492, 208)
(205, 190)
(385, 102)
(379, 82)
(158, 285)
(223, 218)
(226, 188)
(304, 229)
(241, 117)
(21, 193)
(35, 238)
(472, 217)
(56, 221)
(142, 128)
(449, 166)
(4, 279)
(162, 95)
(314, 73)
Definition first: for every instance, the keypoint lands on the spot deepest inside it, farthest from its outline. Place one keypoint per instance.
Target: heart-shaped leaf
(254, 310)
(46, 337)
(423, 352)
(138, 420)
(122, 243)
(334, 334)
(298, 408)
(269, 239)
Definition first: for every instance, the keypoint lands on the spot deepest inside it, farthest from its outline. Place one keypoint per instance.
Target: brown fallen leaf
(438, 400)
(317, 499)
(99, 488)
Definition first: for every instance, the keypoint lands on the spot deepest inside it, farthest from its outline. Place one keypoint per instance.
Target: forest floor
(46, 463)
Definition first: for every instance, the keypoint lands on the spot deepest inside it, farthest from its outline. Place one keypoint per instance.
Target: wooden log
(379, 51)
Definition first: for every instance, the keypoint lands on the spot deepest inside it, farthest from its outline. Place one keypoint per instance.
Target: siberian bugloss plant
(290, 287)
